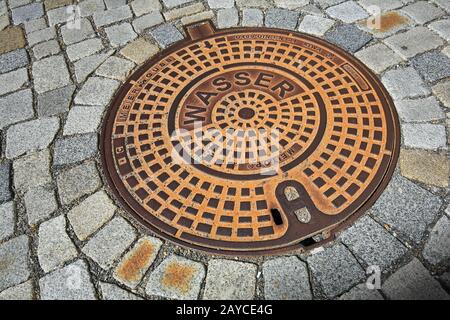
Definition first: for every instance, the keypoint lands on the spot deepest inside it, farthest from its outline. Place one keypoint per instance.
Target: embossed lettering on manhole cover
(250, 141)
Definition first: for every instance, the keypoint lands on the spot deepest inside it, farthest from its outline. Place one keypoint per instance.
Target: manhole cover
(250, 141)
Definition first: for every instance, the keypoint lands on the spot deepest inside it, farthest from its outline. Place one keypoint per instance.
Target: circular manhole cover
(250, 141)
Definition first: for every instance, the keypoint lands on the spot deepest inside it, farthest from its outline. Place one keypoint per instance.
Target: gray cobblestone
(46, 49)
(50, 73)
(404, 83)
(15, 251)
(141, 7)
(252, 17)
(291, 4)
(176, 278)
(147, 21)
(5, 181)
(327, 3)
(31, 135)
(77, 182)
(73, 149)
(286, 278)
(120, 34)
(382, 4)
(40, 203)
(109, 243)
(419, 110)
(174, 3)
(115, 68)
(184, 11)
(230, 280)
(7, 220)
(104, 18)
(55, 246)
(82, 119)
(315, 25)
(373, 244)
(442, 27)
(96, 92)
(33, 170)
(27, 13)
(72, 282)
(13, 80)
(41, 36)
(347, 12)
(91, 214)
(281, 18)
(219, 4)
(111, 4)
(90, 7)
(424, 136)
(35, 25)
(13, 60)
(361, 292)
(74, 35)
(227, 18)
(406, 208)
(378, 57)
(423, 11)
(16, 107)
(86, 66)
(55, 102)
(432, 66)
(83, 49)
(413, 282)
(437, 249)
(205, 15)
(58, 16)
(113, 292)
(349, 37)
(252, 3)
(415, 41)
(442, 92)
(166, 34)
(335, 270)
(139, 50)
(23, 291)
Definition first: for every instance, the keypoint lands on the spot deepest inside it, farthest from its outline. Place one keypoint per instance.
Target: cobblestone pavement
(63, 236)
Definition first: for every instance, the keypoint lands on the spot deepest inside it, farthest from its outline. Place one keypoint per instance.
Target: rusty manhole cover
(250, 141)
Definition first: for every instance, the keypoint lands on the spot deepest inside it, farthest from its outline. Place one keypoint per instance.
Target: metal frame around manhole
(304, 213)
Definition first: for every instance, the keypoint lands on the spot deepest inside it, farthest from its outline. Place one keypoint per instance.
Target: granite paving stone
(115, 68)
(4, 22)
(137, 261)
(139, 50)
(26, 13)
(32, 170)
(442, 27)
(40, 203)
(73, 282)
(315, 25)
(120, 34)
(50, 73)
(382, 4)
(373, 244)
(184, 11)
(60, 15)
(31, 135)
(419, 110)
(361, 292)
(230, 280)
(413, 282)
(166, 35)
(414, 41)
(281, 18)
(437, 248)
(335, 270)
(13, 60)
(96, 91)
(219, 4)
(205, 15)
(5, 181)
(147, 21)
(83, 119)
(175, 3)
(404, 83)
(227, 18)
(349, 37)
(77, 182)
(111, 4)
(55, 102)
(141, 7)
(423, 11)
(7, 220)
(443, 4)
(54, 247)
(11, 38)
(53, 4)
(424, 136)
(291, 4)
(73, 149)
(442, 92)
(378, 57)
(73, 35)
(23, 291)
(86, 66)
(103, 18)
(253, 3)
(17, 3)
(327, 3)
(13, 80)
(286, 278)
(14, 257)
(113, 292)
(406, 208)
(16, 107)
(348, 12)
(109, 243)
(35, 25)
(252, 17)
(46, 49)
(176, 278)
(41, 36)
(432, 66)
(91, 214)
(90, 7)
(83, 49)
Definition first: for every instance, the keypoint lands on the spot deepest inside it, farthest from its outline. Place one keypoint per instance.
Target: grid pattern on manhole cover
(250, 140)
